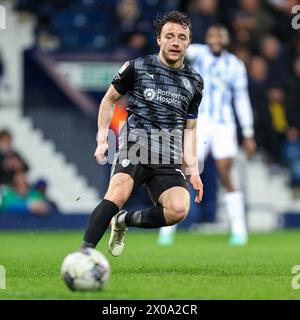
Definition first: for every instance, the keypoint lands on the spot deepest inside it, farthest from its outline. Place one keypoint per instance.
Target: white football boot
(116, 241)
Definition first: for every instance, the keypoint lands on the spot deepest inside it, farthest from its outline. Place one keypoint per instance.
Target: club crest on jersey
(125, 163)
(186, 83)
(149, 94)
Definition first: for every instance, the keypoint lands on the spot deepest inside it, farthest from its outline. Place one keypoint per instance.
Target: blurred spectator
(42, 187)
(10, 161)
(282, 13)
(293, 95)
(129, 22)
(274, 53)
(258, 84)
(243, 53)
(254, 17)
(203, 14)
(242, 36)
(276, 105)
(258, 81)
(250, 22)
(136, 47)
(18, 197)
(226, 10)
(291, 156)
(295, 46)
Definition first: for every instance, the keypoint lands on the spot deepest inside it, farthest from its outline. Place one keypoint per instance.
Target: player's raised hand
(198, 186)
(100, 153)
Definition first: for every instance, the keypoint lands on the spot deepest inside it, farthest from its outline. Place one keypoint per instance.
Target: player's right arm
(121, 84)
(105, 114)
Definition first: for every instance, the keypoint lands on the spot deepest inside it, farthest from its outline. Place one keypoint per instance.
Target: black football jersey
(161, 99)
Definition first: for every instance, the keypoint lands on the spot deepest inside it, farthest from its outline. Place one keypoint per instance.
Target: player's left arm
(190, 161)
(243, 108)
(190, 156)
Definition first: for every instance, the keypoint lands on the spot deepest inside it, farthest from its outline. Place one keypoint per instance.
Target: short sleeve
(124, 80)
(194, 105)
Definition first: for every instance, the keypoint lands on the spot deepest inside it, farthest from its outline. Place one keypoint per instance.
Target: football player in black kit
(164, 95)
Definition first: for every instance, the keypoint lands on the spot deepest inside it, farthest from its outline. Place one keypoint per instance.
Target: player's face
(173, 42)
(217, 39)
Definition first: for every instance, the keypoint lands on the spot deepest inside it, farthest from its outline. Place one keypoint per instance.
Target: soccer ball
(85, 270)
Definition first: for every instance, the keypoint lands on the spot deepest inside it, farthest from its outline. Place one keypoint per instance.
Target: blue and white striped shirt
(225, 79)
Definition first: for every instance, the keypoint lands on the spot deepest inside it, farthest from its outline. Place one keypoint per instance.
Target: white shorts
(218, 138)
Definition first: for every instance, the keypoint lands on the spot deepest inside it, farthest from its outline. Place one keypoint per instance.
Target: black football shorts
(157, 177)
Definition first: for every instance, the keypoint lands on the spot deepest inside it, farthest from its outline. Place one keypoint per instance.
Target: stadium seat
(83, 40)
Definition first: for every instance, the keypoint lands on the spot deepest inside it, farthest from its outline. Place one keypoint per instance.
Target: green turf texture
(198, 266)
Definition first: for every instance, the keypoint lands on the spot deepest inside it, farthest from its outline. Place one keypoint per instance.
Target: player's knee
(118, 199)
(119, 189)
(120, 180)
(117, 195)
(178, 212)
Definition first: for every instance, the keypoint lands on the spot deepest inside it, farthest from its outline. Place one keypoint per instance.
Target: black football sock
(147, 218)
(98, 223)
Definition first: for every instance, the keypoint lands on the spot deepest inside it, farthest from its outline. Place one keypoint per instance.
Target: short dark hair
(173, 16)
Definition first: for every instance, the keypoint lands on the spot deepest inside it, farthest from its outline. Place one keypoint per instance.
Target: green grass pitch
(197, 267)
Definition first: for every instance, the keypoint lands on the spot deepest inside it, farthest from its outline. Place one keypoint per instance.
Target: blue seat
(101, 4)
(63, 20)
(84, 41)
(151, 9)
(69, 19)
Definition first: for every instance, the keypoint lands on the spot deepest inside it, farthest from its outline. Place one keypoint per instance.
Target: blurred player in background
(164, 94)
(225, 79)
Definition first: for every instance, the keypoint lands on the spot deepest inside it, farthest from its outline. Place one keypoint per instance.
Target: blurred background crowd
(262, 36)
(17, 194)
